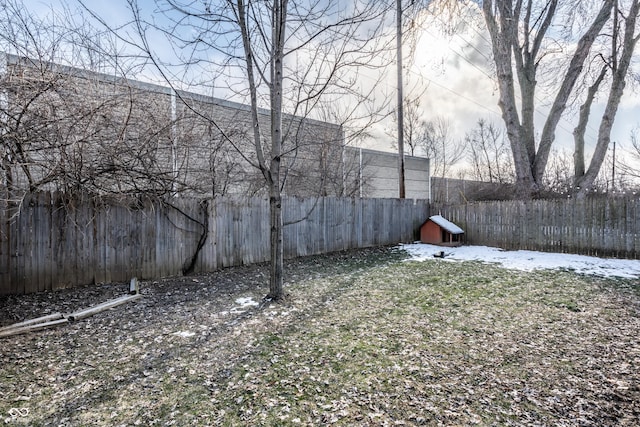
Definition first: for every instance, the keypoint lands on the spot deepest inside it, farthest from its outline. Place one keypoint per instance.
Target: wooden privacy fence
(603, 227)
(52, 243)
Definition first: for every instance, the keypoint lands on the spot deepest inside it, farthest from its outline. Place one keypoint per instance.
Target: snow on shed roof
(446, 224)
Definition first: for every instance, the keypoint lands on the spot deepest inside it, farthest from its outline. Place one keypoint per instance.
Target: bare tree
(558, 177)
(519, 31)
(283, 55)
(629, 164)
(70, 130)
(67, 132)
(624, 38)
(305, 30)
(440, 147)
(79, 132)
(415, 126)
(489, 154)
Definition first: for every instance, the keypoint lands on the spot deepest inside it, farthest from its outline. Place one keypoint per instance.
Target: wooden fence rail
(601, 227)
(51, 243)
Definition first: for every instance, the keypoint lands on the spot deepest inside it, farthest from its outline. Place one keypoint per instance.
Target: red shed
(439, 231)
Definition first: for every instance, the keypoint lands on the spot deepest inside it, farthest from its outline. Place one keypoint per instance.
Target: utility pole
(613, 169)
(400, 100)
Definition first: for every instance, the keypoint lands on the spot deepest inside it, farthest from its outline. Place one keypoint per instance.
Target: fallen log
(101, 307)
(58, 318)
(32, 327)
(54, 316)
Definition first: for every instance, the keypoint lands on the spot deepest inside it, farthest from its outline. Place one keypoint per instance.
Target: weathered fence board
(50, 242)
(603, 227)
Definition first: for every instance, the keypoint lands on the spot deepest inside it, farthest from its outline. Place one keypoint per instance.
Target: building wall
(74, 129)
(379, 174)
(312, 150)
(131, 136)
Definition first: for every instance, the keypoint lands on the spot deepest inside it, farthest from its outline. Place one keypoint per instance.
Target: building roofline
(151, 87)
(380, 152)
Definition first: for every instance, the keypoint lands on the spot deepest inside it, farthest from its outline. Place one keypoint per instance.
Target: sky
(462, 86)
(528, 260)
(451, 73)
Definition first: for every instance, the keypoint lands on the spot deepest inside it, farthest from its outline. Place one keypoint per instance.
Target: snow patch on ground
(184, 334)
(243, 304)
(529, 260)
(273, 313)
(246, 302)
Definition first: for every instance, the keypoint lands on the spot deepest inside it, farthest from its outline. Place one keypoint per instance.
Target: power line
(540, 114)
(462, 96)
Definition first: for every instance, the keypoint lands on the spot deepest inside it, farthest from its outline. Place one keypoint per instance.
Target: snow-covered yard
(530, 260)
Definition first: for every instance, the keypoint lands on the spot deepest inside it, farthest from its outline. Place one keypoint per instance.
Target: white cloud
(456, 64)
(452, 65)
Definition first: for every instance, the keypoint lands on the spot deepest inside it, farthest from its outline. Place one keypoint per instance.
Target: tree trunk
(568, 83)
(275, 193)
(507, 22)
(502, 52)
(615, 94)
(277, 259)
(579, 131)
(271, 172)
(401, 178)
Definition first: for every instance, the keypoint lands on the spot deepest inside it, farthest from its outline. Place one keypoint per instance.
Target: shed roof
(446, 224)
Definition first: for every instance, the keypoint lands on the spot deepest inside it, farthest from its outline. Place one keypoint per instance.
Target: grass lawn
(364, 338)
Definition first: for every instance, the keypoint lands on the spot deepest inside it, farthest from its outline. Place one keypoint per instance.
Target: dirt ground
(217, 289)
(38, 368)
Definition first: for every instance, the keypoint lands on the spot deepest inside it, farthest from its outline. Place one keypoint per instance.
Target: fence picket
(53, 243)
(603, 227)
